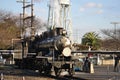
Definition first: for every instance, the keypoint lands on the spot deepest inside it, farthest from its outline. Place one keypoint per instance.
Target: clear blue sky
(87, 15)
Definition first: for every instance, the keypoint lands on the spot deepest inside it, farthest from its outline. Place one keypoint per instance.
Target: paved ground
(101, 73)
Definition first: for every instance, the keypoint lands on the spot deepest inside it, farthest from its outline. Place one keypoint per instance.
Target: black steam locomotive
(50, 51)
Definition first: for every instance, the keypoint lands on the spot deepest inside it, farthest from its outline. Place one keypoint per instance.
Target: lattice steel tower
(59, 15)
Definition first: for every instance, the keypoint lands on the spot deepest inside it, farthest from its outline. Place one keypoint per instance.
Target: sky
(86, 15)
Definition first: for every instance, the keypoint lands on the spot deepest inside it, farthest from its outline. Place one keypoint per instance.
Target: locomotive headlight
(67, 52)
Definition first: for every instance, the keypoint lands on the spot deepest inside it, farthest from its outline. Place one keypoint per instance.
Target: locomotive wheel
(57, 71)
(47, 72)
(71, 72)
(40, 70)
(44, 72)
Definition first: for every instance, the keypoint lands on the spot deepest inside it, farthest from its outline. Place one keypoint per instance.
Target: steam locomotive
(50, 51)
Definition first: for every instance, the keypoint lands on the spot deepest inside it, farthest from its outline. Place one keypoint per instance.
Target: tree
(91, 39)
(112, 39)
(8, 29)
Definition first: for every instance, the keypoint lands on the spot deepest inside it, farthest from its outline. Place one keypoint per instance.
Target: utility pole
(116, 45)
(31, 17)
(22, 14)
(115, 32)
(21, 31)
(24, 26)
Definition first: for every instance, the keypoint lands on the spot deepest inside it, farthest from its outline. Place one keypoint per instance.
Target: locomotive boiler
(50, 51)
(58, 41)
